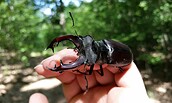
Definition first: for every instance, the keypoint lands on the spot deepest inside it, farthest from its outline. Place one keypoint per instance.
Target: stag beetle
(91, 52)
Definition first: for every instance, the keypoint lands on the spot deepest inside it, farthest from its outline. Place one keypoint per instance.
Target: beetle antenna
(73, 22)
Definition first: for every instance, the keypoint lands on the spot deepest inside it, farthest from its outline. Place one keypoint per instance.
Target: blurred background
(28, 26)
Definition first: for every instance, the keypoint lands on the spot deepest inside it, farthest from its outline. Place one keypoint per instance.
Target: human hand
(113, 87)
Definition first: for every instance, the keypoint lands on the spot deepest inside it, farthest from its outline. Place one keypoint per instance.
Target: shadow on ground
(18, 83)
(19, 87)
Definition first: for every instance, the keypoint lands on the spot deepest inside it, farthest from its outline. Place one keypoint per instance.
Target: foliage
(22, 27)
(143, 25)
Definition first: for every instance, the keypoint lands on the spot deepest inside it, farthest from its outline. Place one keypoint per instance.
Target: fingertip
(39, 69)
(45, 71)
(38, 98)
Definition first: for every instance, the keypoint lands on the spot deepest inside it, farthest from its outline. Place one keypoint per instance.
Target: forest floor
(18, 83)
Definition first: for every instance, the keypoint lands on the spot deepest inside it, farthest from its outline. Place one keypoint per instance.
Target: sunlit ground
(17, 83)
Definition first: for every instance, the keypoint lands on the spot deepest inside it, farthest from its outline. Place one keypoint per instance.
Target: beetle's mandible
(93, 52)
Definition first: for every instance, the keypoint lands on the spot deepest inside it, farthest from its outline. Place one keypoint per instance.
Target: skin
(113, 87)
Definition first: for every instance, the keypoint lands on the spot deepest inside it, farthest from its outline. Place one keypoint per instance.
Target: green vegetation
(144, 25)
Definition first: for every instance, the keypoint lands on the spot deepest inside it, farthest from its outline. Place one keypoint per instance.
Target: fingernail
(37, 66)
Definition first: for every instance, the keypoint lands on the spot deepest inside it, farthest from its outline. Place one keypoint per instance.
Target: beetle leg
(85, 73)
(101, 71)
(56, 41)
(91, 69)
(85, 76)
(120, 69)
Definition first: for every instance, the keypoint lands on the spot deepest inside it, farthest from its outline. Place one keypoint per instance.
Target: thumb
(130, 77)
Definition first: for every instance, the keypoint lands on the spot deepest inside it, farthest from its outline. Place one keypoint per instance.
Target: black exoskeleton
(91, 52)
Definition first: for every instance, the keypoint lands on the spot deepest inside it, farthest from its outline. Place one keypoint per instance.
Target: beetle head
(84, 45)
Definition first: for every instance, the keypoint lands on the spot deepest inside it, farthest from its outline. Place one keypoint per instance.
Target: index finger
(67, 55)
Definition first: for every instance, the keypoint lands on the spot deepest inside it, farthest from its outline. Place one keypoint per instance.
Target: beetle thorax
(86, 49)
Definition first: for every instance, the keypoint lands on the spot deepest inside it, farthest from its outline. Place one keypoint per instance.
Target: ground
(18, 82)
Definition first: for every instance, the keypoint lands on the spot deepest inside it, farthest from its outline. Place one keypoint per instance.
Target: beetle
(93, 52)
